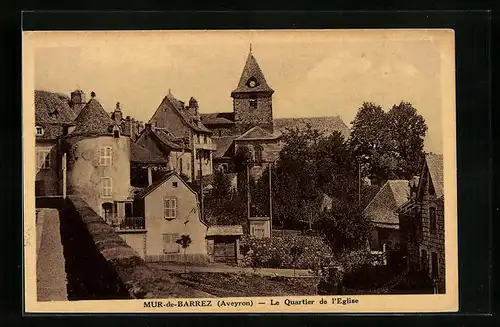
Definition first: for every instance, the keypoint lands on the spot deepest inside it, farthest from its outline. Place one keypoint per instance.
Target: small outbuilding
(223, 243)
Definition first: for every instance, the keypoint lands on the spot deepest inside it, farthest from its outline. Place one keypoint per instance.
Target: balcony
(206, 146)
(127, 223)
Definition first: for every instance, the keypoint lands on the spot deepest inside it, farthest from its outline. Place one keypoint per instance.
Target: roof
(258, 133)
(435, 165)
(140, 154)
(185, 115)
(225, 230)
(144, 192)
(93, 119)
(218, 118)
(51, 131)
(382, 209)
(222, 144)
(252, 69)
(166, 138)
(325, 125)
(52, 107)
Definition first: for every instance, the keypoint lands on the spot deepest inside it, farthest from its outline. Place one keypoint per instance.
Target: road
(50, 270)
(220, 268)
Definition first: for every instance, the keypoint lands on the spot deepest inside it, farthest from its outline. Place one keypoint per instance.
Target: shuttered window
(105, 155)
(170, 208)
(106, 187)
(169, 243)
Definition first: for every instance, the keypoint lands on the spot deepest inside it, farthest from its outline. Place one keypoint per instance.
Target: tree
(408, 131)
(388, 145)
(370, 142)
(295, 253)
(345, 228)
(221, 186)
(298, 194)
(184, 241)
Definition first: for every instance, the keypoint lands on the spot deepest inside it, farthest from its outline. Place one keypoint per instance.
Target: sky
(321, 73)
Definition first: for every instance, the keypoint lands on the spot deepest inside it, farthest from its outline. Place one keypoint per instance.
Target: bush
(275, 252)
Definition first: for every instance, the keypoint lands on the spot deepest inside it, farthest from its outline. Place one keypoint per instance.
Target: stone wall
(100, 265)
(246, 117)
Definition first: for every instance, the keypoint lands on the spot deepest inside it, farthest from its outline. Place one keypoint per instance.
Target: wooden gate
(225, 250)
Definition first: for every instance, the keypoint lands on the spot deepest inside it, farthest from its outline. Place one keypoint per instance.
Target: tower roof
(252, 71)
(93, 120)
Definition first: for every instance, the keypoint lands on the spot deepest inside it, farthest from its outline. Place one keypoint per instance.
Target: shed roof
(225, 230)
(222, 144)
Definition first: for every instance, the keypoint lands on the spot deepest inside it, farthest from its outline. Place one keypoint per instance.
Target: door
(434, 265)
(225, 250)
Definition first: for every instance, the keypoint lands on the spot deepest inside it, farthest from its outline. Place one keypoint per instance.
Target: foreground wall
(100, 264)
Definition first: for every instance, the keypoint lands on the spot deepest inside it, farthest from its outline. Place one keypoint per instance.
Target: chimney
(193, 106)
(117, 114)
(77, 97)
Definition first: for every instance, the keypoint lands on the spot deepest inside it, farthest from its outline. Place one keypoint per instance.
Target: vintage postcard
(240, 171)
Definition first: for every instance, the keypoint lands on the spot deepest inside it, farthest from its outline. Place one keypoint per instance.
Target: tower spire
(250, 47)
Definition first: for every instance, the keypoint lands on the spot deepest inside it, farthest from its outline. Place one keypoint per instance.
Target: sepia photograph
(269, 170)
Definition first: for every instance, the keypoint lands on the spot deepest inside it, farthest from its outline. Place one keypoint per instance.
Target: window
(175, 184)
(258, 155)
(432, 220)
(170, 208)
(253, 102)
(423, 261)
(43, 159)
(180, 164)
(106, 187)
(169, 243)
(434, 265)
(198, 138)
(105, 155)
(39, 130)
(204, 139)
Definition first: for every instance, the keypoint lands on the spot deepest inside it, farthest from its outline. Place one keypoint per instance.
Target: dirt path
(50, 271)
(177, 267)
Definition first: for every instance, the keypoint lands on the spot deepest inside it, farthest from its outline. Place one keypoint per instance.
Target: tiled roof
(52, 107)
(218, 118)
(225, 230)
(252, 69)
(50, 131)
(165, 137)
(382, 209)
(222, 144)
(179, 107)
(93, 120)
(435, 166)
(325, 125)
(140, 154)
(258, 133)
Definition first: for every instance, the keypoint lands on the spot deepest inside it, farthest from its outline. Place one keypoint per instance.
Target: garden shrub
(275, 252)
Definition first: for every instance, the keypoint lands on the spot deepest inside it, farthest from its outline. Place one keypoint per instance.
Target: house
(176, 151)
(170, 209)
(383, 213)
(183, 122)
(146, 167)
(223, 243)
(53, 118)
(422, 222)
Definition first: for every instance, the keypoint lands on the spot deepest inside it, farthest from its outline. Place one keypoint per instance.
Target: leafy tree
(408, 131)
(345, 228)
(221, 186)
(295, 253)
(184, 241)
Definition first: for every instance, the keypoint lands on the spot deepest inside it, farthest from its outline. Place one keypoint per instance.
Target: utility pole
(270, 203)
(201, 187)
(248, 189)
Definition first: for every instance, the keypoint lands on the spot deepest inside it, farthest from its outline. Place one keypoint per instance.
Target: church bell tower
(252, 98)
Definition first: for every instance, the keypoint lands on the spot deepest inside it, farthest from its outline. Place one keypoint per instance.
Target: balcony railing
(127, 223)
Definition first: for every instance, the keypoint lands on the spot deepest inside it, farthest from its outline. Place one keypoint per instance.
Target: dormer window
(39, 130)
(116, 132)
